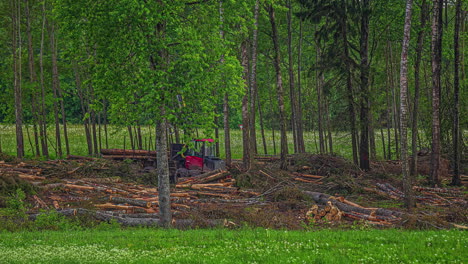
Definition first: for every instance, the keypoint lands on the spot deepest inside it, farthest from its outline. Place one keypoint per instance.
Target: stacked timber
(319, 212)
(307, 178)
(424, 195)
(121, 154)
(334, 208)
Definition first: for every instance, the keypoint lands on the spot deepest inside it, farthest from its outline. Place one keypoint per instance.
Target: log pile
(307, 178)
(335, 208)
(121, 154)
(320, 212)
(111, 195)
(423, 195)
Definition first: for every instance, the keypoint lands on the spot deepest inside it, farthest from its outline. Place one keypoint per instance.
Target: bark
(349, 87)
(58, 89)
(247, 152)
(383, 143)
(364, 68)
(128, 152)
(300, 124)
(417, 84)
(16, 32)
(319, 81)
(227, 129)
(262, 127)
(456, 180)
(163, 173)
(130, 201)
(322, 198)
(280, 90)
(84, 106)
(292, 92)
(395, 109)
(330, 140)
(253, 82)
(407, 179)
(33, 80)
(436, 55)
(43, 119)
(388, 116)
(55, 80)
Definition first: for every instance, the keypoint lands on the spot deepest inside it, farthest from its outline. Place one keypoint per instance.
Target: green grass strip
(234, 246)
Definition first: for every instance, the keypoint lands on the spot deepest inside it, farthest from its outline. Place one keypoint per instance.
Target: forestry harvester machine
(198, 158)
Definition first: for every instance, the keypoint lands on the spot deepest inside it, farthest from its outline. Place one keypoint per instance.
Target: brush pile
(424, 195)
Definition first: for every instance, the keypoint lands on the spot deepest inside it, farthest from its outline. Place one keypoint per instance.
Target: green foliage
(54, 221)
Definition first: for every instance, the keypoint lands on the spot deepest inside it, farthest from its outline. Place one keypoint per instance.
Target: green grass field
(341, 141)
(234, 246)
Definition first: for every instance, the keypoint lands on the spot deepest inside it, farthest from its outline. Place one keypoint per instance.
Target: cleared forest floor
(317, 191)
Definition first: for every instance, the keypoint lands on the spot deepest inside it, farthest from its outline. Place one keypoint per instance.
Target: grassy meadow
(234, 246)
(117, 135)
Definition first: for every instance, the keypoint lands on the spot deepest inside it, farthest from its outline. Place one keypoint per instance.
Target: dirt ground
(263, 196)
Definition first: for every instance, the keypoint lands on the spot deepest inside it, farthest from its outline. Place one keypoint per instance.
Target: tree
(417, 84)
(279, 86)
(436, 56)
(16, 39)
(253, 81)
(456, 95)
(364, 67)
(407, 177)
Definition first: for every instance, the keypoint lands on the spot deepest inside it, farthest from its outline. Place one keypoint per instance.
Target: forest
(370, 81)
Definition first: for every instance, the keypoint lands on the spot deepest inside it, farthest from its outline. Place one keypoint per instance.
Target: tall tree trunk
(456, 93)
(417, 84)
(43, 119)
(389, 108)
(407, 178)
(55, 79)
(300, 123)
(16, 39)
(104, 103)
(58, 89)
(279, 85)
(383, 143)
(292, 93)
(33, 80)
(329, 128)
(216, 135)
(227, 129)
(253, 82)
(395, 109)
(262, 127)
(319, 82)
(349, 87)
(436, 54)
(247, 153)
(165, 215)
(364, 67)
(84, 108)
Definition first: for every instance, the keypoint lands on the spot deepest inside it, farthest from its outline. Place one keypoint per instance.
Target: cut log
(79, 187)
(123, 157)
(128, 152)
(266, 174)
(308, 175)
(30, 177)
(308, 181)
(214, 177)
(130, 201)
(322, 198)
(40, 203)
